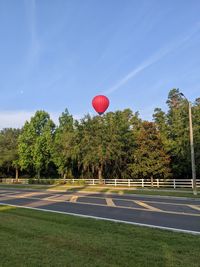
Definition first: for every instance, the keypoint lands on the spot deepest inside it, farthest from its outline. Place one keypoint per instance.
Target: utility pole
(192, 150)
(194, 185)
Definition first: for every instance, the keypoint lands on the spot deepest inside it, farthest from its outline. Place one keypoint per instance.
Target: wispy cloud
(33, 50)
(34, 45)
(154, 59)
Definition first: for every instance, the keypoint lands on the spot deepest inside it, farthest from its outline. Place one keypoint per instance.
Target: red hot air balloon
(100, 103)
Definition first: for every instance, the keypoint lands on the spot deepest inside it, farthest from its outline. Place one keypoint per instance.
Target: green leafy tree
(174, 130)
(115, 145)
(63, 145)
(160, 119)
(36, 142)
(104, 144)
(196, 126)
(179, 144)
(8, 150)
(149, 158)
(121, 127)
(90, 145)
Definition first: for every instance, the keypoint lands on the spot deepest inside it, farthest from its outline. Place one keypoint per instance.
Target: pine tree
(179, 144)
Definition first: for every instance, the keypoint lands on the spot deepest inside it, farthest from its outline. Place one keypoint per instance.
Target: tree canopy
(116, 145)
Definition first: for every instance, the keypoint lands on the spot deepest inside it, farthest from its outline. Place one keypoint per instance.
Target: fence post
(174, 183)
(73, 181)
(152, 182)
(129, 182)
(142, 182)
(115, 182)
(158, 183)
(192, 183)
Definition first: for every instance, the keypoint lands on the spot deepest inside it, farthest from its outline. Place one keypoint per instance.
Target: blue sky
(58, 54)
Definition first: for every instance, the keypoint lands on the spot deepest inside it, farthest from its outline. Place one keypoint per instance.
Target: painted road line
(52, 197)
(116, 198)
(122, 207)
(39, 203)
(5, 191)
(59, 198)
(108, 219)
(130, 200)
(110, 202)
(166, 203)
(146, 205)
(5, 198)
(30, 194)
(194, 207)
(73, 199)
(7, 194)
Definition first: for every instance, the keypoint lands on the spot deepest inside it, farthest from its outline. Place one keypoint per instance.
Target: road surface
(178, 214)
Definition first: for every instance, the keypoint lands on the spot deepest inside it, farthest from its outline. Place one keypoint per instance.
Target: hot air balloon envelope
(100, 103)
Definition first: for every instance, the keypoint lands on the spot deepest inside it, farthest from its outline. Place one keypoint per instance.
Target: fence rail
(140, 183)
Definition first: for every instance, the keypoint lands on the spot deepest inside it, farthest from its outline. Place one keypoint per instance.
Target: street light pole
(192, 150)
(191, 147)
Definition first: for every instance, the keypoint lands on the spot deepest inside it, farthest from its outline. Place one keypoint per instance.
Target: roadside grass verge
(35, 238)
(105, 189)
(24, 186)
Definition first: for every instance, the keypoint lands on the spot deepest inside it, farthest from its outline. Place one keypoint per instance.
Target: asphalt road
(179, 214)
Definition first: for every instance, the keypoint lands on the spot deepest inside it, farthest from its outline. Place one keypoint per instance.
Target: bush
(42, 181)
(54, 181)
(77, 182)
(81, 182)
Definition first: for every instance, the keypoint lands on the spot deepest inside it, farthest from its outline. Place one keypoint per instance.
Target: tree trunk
(64, 177)
(16, 174)
(100, 174)
(38, 174)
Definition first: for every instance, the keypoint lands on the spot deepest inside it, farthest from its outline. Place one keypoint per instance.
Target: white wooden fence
(134, 183)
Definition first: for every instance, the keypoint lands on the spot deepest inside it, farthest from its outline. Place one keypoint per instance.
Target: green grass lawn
(35, 238)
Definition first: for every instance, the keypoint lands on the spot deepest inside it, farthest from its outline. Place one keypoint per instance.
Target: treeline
(116, 145)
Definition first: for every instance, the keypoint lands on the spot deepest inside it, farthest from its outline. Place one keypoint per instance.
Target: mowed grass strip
(36, 238)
